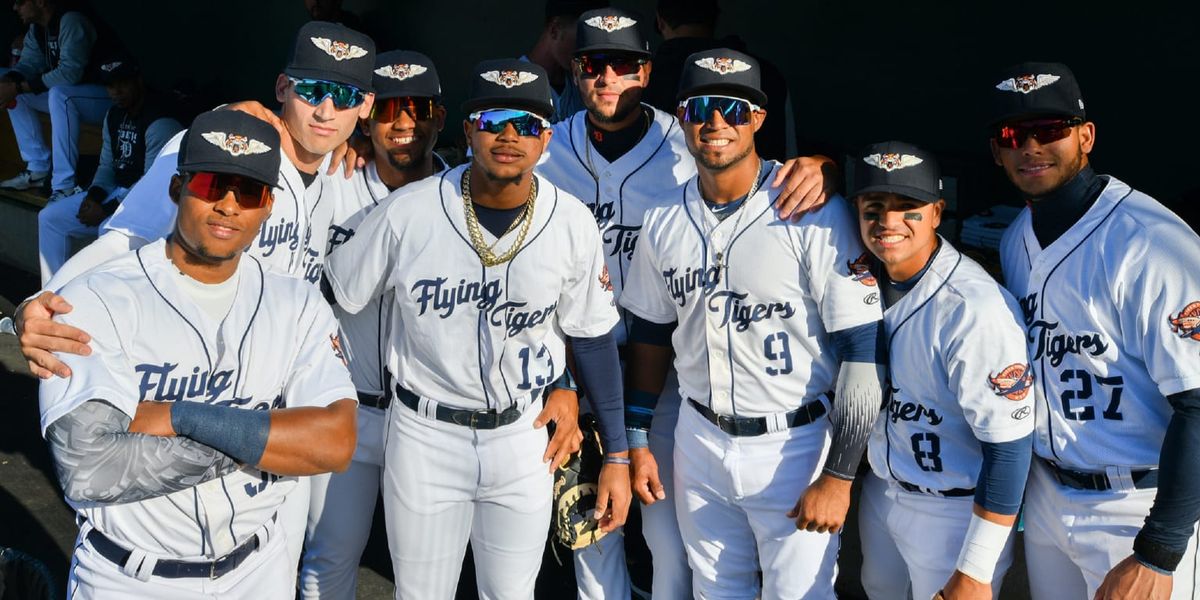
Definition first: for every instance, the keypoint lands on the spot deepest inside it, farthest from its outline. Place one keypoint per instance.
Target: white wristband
(982, 548)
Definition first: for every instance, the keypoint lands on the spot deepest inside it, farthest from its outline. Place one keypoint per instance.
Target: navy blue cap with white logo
(406, 73)
(510, 83)
(119, 69)
(1035, 89)
(609, 30)
(231, 141)
(332, 52)
(898, 168)
(722, 72)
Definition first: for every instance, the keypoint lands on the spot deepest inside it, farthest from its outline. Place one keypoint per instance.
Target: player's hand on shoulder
(1131, 580)
(613, 495)
(823, 506)
(40, 336)
(153, 418)
(963, 587)
(644, 476)
(562, 409)
(808, 182)
(256, 109)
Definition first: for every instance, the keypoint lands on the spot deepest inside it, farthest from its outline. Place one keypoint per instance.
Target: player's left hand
(823, 506)
(153, 418)
(808, 181)
(964, 587)
(350, 155)
(90, 212)
(613, 496)
(562, 409)
(1131, 580)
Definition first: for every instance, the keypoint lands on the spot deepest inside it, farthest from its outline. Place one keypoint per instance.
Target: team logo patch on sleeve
(509, 79)
(338, 50)
(335, 340)
(860, 270)
(1187, 322)
(891, 161)
(723, 66)
(611, 23)
(1024, 84)
(235, 144)
(400, 72)
(1013, 382)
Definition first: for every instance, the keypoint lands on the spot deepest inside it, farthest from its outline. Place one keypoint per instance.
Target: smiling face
(1038, 169)
(900, 231)
(405, 141)
(213, 232)
(505, 156)
(717, 145)
(321, 128)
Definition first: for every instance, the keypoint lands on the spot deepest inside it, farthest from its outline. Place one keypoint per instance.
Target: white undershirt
(215, 299)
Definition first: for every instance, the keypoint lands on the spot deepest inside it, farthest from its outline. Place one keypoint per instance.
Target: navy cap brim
(612, 48)
(756, 97)
(232, 169)
(899, 190)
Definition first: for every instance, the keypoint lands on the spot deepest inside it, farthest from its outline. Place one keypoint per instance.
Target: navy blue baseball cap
(722, 72)
(1035, 89)
(510, 83)
(609, 30)
(231, 141)
(332, 52)
(120, 69)
(406, 73)
(898, 168)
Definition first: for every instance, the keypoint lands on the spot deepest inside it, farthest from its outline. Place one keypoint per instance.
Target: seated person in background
(135, 129)
(57, 74)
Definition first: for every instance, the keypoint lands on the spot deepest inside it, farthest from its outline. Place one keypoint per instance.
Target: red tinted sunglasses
(592, 65)
(1045, 131)
(389, 109)
(212, 187)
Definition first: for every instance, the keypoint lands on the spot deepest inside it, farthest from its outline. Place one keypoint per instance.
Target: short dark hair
(689, 12)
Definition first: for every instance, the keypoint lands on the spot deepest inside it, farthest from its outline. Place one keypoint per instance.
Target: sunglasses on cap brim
(417, 108)
(1045, 131)
(250, 193)
(699, 109)
(592, 65)
(315, 91)
(494, 120)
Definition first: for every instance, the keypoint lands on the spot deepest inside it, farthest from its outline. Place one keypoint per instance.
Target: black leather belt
(475, 419)
(1099, 482)
(950, 493)
(380, 401)
(751, 426)
(176, 569)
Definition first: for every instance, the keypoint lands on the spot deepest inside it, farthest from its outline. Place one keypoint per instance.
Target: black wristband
(1155, 553)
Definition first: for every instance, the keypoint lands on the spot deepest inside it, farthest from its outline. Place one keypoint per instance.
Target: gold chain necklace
(487, 253)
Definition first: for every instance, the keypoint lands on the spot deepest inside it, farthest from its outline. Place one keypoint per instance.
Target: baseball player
(1103, 274)
(177, 451)
(753, 306)
(403, 128)
(493, 270)
(622, 157)
(325, 89)
(957, 421)
(134, 131)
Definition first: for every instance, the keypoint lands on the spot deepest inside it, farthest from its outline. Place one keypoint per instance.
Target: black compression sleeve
(1172, 519)
(599, 371)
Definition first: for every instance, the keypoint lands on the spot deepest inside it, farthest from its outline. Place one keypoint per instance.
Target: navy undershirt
(615, 144)
(307, 178)
(497, 220)
(1057, 211)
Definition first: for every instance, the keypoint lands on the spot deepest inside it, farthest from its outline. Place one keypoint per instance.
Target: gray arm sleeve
(158, 134)
(98, 460)
(858, 400)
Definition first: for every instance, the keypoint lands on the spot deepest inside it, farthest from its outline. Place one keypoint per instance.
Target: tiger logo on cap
(890, 161)
(1013, 382)
(1187, 322)
(509, 79)
(860, 270)
(235, 144)
(110, 67)
(338, 50)
(401, 71)
(722, 66)
(1026, 83)
(611, 23)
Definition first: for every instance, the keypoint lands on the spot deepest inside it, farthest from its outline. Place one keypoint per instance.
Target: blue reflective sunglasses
(315, 91)
(699, 109)
(494, 121)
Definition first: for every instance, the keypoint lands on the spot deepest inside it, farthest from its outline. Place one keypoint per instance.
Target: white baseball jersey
(290, 242)
(752, 336)
(277, 348)
(959, 375)
(1112, 313)
(365, 332)
(469, 336)
(619, 193)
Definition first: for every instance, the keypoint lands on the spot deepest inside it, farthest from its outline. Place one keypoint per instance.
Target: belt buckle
(212, 569)
(725, 421)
